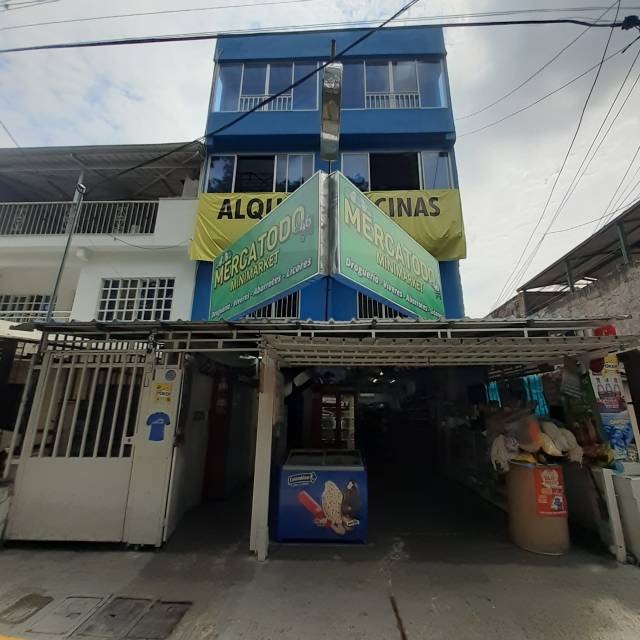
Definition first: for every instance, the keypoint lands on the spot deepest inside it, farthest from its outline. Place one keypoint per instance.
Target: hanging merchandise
(612, 408)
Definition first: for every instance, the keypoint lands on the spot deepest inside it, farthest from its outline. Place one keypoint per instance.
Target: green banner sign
(278, 254)
(373, 253)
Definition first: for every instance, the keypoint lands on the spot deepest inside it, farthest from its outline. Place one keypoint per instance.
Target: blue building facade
(397, 133)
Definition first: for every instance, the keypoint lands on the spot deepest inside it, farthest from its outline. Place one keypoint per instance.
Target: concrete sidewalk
(451, 576)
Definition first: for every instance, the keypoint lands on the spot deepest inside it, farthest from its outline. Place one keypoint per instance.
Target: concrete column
(259, 536)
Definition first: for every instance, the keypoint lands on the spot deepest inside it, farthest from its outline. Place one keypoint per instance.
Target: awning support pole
(624, 248)
(569, 272)
(259, 536)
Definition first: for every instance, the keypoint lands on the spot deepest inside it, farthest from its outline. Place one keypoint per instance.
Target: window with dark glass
(293, 170)
(254, 174)
(353, 85)
(394, 171)
(305, 95)
(403, 75)
(436, 170)
(355, 166)
(227, 89)
(221, 174)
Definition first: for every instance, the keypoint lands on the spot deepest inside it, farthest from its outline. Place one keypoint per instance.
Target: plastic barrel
(538, 508)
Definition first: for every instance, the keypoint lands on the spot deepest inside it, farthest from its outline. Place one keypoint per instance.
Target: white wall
(173, 263)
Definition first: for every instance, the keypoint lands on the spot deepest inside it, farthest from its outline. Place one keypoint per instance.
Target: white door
(153, 451)
(73, 476)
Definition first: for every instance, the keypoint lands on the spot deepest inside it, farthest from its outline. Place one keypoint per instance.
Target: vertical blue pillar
(452, 289)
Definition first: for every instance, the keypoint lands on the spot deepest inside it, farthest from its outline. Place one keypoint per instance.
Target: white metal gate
(73, 475)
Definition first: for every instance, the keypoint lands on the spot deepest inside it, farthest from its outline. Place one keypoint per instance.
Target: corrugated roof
(50, 173)
(597, 256)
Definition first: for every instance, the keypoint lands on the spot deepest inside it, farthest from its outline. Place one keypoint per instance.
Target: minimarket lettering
(260, 254)
(395, 251)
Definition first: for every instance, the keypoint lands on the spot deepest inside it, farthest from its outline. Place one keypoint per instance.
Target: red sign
(550, 498)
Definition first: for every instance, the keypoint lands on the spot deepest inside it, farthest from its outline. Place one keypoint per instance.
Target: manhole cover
(114, 619)
(159, 622)
(66, 616)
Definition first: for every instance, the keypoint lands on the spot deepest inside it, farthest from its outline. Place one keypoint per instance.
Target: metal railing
(25, 315)
(112, 217)
(393, 100)
(281, 103)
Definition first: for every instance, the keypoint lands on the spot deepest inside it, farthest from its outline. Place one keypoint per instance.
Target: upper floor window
(243, 86)
(283, 172)
(410, 170)
(400, 84)
(131, 299)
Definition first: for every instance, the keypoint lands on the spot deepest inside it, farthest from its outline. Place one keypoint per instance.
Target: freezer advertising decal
(376, 255)
(549, 488)
(323, 505)
(615, 418)
(278, 254)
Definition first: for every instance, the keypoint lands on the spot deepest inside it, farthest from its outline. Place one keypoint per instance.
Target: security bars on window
(130, 299)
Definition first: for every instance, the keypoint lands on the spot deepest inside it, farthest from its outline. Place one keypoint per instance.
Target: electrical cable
(624, 195)
(216, 7)
(544, 97)
(151, 13)
(153, 248)
(626, 173)
(629, 22)
(527, 262)
(575, 181)
(268, 100)
(523, 83)
(29, 4)
(6, 129)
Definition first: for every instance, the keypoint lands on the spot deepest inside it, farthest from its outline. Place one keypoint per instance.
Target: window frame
(443, 84)
(418, 153)
(142, 283)
(266, 83)
(275, 155)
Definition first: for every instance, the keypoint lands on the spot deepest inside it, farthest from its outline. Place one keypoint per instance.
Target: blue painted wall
(361, 130)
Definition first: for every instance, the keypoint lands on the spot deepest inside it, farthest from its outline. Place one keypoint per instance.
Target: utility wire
(270, 99)
(216, 7)
(588, 222)
(524, 82)
(451, 16)
(575, 181)
(6, 129)
(544, 97)
(527, 262)
(631, 20)
(29, 4)
(629, 188)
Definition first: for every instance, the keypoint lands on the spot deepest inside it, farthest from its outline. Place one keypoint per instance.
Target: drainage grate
(114, 619)
(66, 616)
(159, 621)
(24, 608)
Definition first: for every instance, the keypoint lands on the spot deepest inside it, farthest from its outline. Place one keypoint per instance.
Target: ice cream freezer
(323, 497)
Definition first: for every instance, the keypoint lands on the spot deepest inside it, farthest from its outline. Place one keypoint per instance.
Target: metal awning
(399, 343)
(618, 242)
(50, 173)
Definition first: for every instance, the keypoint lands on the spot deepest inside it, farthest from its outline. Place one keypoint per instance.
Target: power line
(588, 222)
(526, 263)
(522, 84)
(628, 23)
(150, 13)
(4, 126)
(216, 7)
(573, 185)
(544, 97)
(271, 98)
(7, 5)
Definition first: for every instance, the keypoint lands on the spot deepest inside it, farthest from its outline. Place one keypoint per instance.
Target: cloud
(159, 93)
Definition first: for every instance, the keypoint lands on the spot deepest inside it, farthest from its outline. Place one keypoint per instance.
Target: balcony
(392, 100)
(281, 103)
(96, 218)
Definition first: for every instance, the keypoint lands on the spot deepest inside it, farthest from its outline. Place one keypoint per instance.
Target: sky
(160, 93)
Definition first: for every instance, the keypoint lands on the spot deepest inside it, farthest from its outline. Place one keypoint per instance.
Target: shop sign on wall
(373, 253)
(615, 418)
(281, 252)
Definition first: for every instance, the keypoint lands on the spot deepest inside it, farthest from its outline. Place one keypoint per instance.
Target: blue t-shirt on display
(157, 423)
